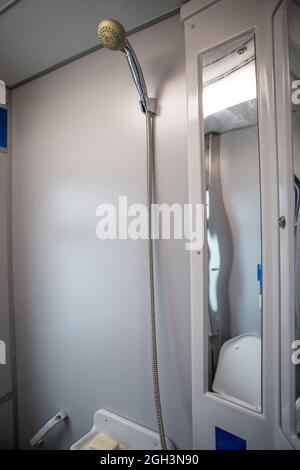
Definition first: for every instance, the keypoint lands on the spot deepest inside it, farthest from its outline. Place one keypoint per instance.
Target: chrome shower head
(112, 35)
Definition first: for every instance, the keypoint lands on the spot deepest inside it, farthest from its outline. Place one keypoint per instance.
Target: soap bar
(103, 443)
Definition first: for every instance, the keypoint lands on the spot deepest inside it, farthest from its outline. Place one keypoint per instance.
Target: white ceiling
(36, 35)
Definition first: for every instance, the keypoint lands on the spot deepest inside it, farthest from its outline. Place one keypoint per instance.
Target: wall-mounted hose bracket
(150, 105)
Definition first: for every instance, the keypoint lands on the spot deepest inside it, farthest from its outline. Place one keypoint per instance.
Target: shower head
(112, 35)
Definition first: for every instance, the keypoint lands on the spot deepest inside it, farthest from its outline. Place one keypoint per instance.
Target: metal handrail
(37, 439)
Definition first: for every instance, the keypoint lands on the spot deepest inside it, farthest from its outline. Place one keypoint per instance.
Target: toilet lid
(238, 373)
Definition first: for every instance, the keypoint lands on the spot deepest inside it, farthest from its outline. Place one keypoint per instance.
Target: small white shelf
(131, 436)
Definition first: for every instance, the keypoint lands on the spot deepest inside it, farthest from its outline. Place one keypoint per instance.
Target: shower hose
(155, 375)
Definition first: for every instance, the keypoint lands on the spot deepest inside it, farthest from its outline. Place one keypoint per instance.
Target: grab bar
(37, 439)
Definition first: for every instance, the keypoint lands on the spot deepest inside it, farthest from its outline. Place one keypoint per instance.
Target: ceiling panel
(36, 35)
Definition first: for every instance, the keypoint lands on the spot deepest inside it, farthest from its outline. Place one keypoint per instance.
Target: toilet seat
(238, 374)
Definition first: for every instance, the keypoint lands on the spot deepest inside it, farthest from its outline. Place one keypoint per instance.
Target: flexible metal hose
(7, 5)
(155, 375)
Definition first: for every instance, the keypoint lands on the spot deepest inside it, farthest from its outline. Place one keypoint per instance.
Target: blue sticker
(259, 277)
(3, 128)
(227, 441)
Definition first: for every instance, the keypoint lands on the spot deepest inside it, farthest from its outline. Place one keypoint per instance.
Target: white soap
(103, 443)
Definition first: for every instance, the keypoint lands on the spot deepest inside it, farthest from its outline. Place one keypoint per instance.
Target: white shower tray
(131, 436)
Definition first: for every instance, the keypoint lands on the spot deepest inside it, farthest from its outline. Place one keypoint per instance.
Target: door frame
(262, 431)
(286, 209)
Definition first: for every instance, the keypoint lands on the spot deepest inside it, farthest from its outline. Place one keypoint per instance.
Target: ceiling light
(233, 89)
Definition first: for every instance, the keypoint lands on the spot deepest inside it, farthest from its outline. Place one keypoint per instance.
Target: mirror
(233, 222)
(294, 48)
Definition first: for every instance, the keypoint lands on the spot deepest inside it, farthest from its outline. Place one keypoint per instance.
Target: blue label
(259, 277)
(227, 441)
(3, 128)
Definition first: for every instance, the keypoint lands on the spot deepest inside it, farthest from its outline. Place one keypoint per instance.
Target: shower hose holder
(150, 105)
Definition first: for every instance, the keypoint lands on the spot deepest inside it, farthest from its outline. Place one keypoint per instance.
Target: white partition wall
(286, 24)
(208, 25)
(81, 304)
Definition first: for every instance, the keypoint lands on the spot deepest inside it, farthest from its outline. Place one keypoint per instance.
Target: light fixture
(233, 89)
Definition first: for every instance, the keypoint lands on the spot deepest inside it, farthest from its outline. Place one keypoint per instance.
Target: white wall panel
(82, 317)
(239, 168)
